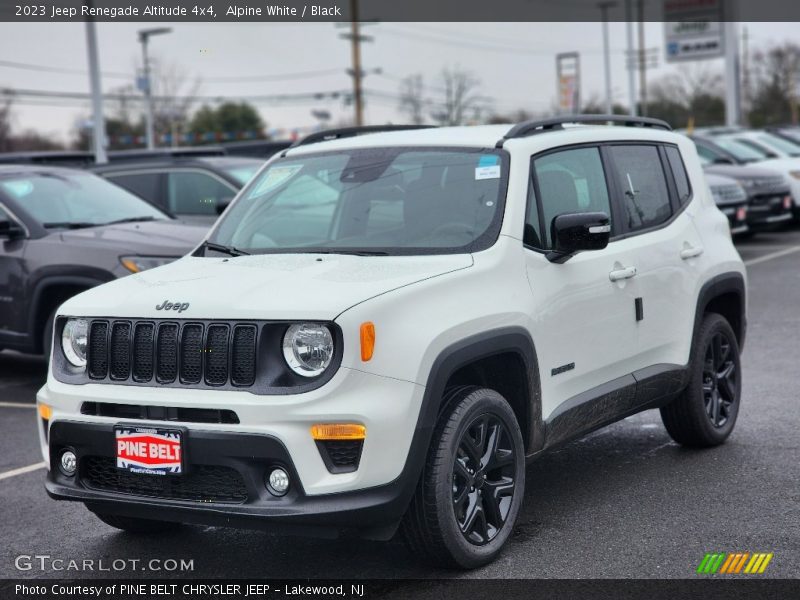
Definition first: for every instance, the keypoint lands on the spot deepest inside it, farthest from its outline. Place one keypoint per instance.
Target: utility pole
(355, 47)
(98, 122)
(732, 113)
(745, 70)
(604, 6)
(642, 60)
(630, 58)
(145, 83)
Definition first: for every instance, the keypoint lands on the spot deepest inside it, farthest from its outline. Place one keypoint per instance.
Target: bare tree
(412, 102)
(461, 101)
(174, 96)
(776, 75)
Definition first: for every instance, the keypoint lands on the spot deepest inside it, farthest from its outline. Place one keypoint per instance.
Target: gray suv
(63, 231)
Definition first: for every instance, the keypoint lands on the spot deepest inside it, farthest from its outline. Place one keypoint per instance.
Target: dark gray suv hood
(167, 238)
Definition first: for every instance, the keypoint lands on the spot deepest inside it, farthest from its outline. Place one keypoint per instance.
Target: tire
(137, 526)
(452, 491)
(704, 415)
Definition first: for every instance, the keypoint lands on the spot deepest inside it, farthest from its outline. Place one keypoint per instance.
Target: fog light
(278, 483)
(69, 463)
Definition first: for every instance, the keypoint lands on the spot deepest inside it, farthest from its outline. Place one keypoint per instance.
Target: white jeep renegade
(382, 329)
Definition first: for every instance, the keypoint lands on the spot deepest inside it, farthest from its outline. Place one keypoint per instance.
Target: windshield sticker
(275, 177)
(487, 172)
(488, 160)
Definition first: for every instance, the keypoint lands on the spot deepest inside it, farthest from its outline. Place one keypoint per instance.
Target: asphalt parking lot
(625, 502)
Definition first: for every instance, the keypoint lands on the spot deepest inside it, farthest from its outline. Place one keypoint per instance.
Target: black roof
(156, 153)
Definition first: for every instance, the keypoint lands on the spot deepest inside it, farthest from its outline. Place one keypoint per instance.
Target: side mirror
(575, 232)
(10, 230)
(223, 203)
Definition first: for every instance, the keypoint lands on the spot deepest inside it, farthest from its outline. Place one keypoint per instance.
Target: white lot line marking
(766, 257)
(17, 405)
(22, 470)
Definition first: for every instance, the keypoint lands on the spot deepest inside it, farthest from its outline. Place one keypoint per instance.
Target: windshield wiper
(130, 220)
(229, 250)
(69, 225)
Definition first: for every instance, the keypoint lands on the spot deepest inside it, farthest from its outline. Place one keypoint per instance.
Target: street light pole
(604, 6)
(98, 122)
(144, 36)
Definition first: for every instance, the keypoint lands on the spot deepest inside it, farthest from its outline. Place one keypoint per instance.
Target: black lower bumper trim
(373, 513)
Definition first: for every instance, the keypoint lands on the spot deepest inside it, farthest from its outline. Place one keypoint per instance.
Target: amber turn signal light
(367, 340)
(338, 431)
(45, 411)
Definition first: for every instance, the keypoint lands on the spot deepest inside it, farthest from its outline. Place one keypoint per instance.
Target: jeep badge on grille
(179, 306)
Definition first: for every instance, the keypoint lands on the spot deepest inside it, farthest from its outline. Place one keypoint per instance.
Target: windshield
(376, 200)
(740, 151)
(64, 199)
(242, 172)
(780, 144)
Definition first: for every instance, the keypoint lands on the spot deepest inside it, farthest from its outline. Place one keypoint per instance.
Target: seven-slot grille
(214, 354)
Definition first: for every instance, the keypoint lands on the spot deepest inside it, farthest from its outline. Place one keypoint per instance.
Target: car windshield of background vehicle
(740, 151)
(67, 199)
(376, 200)
(243, 172)
(780, 144)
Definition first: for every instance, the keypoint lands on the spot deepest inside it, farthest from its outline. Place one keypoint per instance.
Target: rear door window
(642, 184)
(145, 185)
(196, 193)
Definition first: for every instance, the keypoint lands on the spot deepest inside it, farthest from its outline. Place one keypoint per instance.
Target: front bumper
(373, 513)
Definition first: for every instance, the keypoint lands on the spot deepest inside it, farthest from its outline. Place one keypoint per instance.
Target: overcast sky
(514, 61)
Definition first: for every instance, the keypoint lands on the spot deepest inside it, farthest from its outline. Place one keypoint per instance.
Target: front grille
(341, 456)
(120, 361)
(212, 354)
(729, 193)
(143, 360)
(201, 483)
(97, 352)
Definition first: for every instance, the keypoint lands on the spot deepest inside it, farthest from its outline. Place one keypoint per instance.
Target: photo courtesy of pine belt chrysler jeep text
(387, 323)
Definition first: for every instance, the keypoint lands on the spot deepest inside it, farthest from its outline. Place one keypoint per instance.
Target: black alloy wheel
(483, 479)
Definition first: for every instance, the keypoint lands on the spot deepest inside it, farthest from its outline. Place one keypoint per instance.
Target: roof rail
(167, 152)
(528, 128)
(345, 132)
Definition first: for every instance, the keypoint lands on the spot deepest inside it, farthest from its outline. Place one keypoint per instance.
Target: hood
(756, 171)
(153, 238)
(269, 286)
(777, 164)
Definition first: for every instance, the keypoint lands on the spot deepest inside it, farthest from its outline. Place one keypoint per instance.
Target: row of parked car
(753, 174)
(67, 224)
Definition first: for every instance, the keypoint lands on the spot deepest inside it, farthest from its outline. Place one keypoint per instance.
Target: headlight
(135, 264)
(308, 348)
(73, 341)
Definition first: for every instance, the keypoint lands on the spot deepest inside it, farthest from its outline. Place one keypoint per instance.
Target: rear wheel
(138, 526)
(705, 412)
(471, 488)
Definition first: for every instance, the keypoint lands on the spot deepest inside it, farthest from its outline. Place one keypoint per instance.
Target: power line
(222, 79)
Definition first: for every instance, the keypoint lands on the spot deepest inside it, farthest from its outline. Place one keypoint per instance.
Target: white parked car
(383, 329)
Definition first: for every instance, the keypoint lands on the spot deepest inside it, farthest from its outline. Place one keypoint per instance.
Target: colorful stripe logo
(734, 563)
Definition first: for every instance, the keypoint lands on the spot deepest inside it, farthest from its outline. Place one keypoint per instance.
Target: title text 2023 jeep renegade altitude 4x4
(382, 328)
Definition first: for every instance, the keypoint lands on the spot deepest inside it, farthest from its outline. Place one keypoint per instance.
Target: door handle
(620, 274)
(691, 252)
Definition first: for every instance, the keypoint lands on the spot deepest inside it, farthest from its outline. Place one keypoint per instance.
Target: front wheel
(705, 413)
(472, 485)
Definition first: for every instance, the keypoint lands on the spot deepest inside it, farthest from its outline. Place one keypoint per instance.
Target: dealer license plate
(149, 450)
